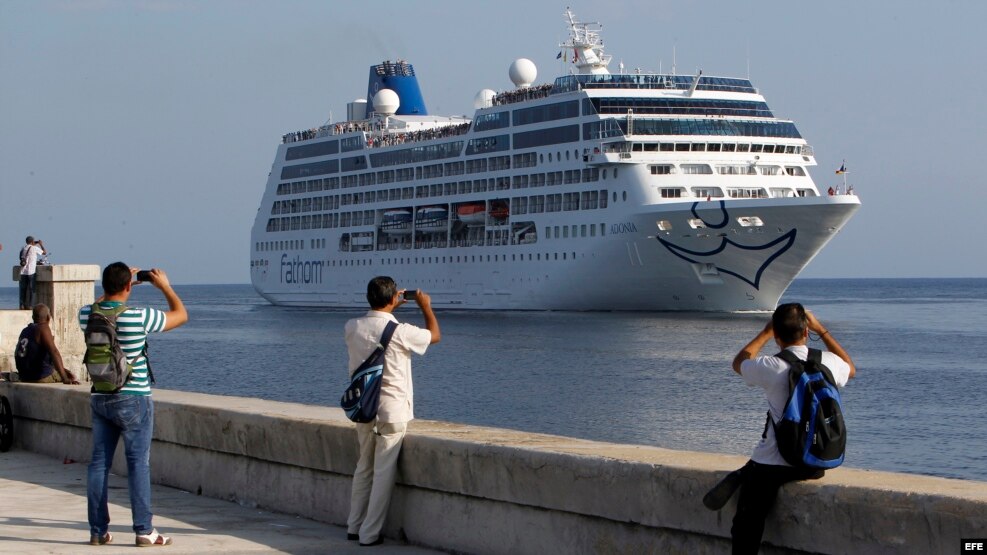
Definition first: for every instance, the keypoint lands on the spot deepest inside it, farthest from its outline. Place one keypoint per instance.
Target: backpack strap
(791, 359)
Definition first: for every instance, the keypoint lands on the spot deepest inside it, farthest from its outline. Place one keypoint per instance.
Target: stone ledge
(476, 489)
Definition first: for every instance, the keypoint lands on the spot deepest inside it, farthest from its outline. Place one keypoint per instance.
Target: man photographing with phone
(128, 412)
(380, 441)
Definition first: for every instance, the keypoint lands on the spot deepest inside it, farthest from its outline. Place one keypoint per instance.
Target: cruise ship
(598, 191)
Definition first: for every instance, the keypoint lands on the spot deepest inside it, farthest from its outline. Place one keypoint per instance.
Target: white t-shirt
(771, 373)
(31, 260)
(397, 394)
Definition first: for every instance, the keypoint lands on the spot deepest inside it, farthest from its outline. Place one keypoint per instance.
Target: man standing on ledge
(767, 470)
(129, 412)
(380, 441)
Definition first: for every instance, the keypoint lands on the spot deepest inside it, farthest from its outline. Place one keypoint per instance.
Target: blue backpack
(362, 397)
(811, 432)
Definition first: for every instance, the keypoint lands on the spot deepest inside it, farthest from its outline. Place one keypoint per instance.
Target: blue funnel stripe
(400, 78)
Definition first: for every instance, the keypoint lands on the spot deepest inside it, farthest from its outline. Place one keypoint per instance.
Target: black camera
(410, 294)
(144, 275)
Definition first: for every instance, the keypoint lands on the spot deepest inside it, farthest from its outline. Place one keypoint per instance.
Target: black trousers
(758, 491)
(27, 286)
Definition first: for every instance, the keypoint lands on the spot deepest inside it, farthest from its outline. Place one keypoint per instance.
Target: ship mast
(586, 46)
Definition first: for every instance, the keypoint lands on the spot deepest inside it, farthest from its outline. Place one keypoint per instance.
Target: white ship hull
(697, 200)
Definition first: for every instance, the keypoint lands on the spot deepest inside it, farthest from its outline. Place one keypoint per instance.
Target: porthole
(615, 173)
(567, 155)
(549, 156)
(625, 195)
(604, 173)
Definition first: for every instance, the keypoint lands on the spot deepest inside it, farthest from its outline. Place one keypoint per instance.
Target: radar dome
(523, 72)
(483, 99)
(386, 102)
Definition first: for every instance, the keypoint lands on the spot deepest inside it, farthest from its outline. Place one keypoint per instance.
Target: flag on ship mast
(842, 169)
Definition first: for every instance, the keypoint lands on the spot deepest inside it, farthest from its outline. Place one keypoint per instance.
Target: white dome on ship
(523, 72)
(483, 99)
(386, 102)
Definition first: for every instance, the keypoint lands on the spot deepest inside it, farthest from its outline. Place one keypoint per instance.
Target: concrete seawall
(486, 490)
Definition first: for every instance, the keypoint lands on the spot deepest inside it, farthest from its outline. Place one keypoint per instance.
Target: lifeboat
(432, 219)
(396, 221)
(473, 213)
(499, 210)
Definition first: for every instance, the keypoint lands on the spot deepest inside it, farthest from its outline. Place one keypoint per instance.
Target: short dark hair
(116, 276)
(29, 240)
(381, 291)
(789, 323)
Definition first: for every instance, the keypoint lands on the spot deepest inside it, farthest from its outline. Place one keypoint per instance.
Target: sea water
(660, 379)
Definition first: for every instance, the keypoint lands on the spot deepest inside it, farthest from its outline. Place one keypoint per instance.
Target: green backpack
(105, 360)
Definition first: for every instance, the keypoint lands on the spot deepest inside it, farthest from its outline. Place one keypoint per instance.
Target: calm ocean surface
(917, 404)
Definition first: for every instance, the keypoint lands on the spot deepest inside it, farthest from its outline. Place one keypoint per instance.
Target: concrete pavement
(43, 510)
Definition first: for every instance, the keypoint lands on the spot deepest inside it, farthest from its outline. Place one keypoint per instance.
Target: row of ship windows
(602, 105)
(558, 232)
(537, 204)
(734, 192)
(565, 110)
(725, 169)
(494, 163)
(523, 160)
(610, 127)
(332, 202)
(714, 147)
(458, 259)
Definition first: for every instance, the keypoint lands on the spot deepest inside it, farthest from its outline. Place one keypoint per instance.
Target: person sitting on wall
(36, 355)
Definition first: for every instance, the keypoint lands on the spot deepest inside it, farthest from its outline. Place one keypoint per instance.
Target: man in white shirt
(767, 470)
(29, 266)
(380, 441)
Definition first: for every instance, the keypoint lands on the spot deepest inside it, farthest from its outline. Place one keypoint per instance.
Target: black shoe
(723, 491)
(353, 537)
(378, 541)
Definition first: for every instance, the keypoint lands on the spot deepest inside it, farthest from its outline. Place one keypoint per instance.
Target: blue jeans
(130, 417)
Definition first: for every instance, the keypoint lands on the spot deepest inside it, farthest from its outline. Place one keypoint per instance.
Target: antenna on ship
(748, 59)
(587, 47)
(674, 46)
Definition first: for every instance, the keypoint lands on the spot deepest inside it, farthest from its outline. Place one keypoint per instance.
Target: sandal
(101, 540)
(152, 539)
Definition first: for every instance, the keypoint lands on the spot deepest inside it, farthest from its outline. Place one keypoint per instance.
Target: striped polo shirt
(133, 325)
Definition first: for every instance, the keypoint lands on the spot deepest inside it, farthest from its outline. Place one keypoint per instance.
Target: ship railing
(569, 83)
(522, 94)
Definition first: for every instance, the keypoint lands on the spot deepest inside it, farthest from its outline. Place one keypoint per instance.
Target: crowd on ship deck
(307, 134)
(519, 95)
(376, 128)
(423, 135)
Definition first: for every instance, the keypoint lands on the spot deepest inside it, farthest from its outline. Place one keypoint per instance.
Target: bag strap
(385, 338)
(109, 312)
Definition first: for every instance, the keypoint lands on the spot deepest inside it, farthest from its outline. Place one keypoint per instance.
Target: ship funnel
(399, 77)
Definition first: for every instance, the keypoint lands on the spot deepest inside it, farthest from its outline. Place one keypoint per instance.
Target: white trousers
(373, 479)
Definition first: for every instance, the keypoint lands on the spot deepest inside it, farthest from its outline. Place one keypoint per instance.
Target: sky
(144, 130)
